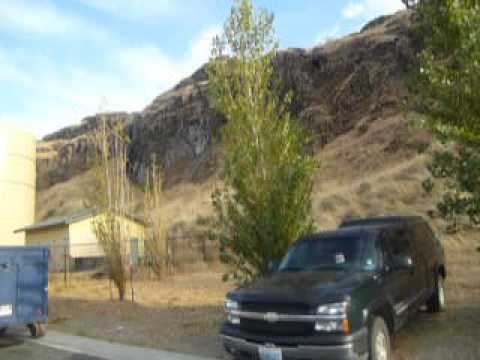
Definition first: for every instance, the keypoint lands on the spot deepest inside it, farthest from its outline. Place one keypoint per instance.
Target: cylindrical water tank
(17, 183)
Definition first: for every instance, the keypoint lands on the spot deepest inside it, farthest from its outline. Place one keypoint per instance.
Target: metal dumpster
(24, 288)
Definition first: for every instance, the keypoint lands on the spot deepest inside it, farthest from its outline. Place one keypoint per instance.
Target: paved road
(14, 347)
(57, 346)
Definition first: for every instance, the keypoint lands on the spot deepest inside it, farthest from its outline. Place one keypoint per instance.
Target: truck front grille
(280, 328)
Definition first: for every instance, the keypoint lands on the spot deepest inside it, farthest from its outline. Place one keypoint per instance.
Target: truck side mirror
(273, 266)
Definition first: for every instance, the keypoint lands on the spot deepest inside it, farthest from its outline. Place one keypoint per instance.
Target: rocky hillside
(348, 92)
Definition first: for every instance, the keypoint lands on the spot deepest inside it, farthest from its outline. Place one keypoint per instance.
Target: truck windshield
(336, 252)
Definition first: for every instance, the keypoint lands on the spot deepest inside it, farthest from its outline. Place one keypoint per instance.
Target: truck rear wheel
(379, 344)
(436, 302)
(37, 330)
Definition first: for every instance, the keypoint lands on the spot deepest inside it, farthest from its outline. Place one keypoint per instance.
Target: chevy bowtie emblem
(271, 317)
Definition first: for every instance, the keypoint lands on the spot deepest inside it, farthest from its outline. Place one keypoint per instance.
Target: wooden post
(131, 283)
(65, 266)
(174, 252)
(204, 248)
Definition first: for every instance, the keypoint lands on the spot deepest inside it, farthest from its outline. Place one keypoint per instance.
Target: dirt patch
(182, 313)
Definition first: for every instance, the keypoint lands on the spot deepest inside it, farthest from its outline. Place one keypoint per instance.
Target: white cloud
(128, 80)
(50, 120)
(145, 9)
(367, 9)
(151, 69)
(10, 73)
(327, 35)
(353, 10)
(42, 17)
(149, 65)
(201, 48)
(54, 95)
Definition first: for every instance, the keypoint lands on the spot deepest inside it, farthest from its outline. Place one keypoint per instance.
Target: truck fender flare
(385, 309)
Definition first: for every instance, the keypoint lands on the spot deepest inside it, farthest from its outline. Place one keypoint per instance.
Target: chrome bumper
(237, 346)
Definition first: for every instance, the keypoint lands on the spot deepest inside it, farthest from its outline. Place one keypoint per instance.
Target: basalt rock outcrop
(358, 78)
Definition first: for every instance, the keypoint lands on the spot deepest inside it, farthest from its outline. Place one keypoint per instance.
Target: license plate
(6, 310)
(270, 353)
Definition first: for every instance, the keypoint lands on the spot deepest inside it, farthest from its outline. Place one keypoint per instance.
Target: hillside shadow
(453, 334)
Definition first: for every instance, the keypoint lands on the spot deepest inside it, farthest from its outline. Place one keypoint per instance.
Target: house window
(134, 251)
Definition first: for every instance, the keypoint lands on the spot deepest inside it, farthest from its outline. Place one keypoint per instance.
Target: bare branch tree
(112, 202)
(156, 246)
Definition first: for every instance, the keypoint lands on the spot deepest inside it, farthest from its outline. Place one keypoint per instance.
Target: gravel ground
(453, 335)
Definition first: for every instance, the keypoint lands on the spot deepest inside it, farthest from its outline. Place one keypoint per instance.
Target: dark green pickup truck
(339, 294)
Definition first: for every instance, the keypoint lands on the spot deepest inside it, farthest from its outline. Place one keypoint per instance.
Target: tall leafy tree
(264, 204)
(447, 97)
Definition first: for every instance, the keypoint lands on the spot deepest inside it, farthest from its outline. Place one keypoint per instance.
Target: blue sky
(61, 60)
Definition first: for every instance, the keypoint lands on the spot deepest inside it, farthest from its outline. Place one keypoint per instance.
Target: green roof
(67, 220)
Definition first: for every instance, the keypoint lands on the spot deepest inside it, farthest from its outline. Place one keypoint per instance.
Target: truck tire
(3, 331)
(436, 303)
(37, 330)
(379, 344)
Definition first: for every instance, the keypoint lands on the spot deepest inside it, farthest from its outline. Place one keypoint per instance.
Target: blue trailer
(24, 288)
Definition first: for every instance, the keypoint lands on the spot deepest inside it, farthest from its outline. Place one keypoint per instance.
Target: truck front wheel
(379, 340)
(37, 330)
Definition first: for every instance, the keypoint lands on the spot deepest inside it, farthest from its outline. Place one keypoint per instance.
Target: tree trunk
(121, 293)
(120, 284)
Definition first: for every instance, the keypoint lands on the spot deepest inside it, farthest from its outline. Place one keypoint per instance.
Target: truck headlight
(336, 309)
(335, 318)
(231, 306)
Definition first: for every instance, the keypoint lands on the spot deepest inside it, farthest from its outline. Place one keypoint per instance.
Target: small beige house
(72, 241)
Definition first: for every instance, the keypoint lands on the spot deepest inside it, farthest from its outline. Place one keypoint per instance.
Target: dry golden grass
(180, 290)
(180, 313)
